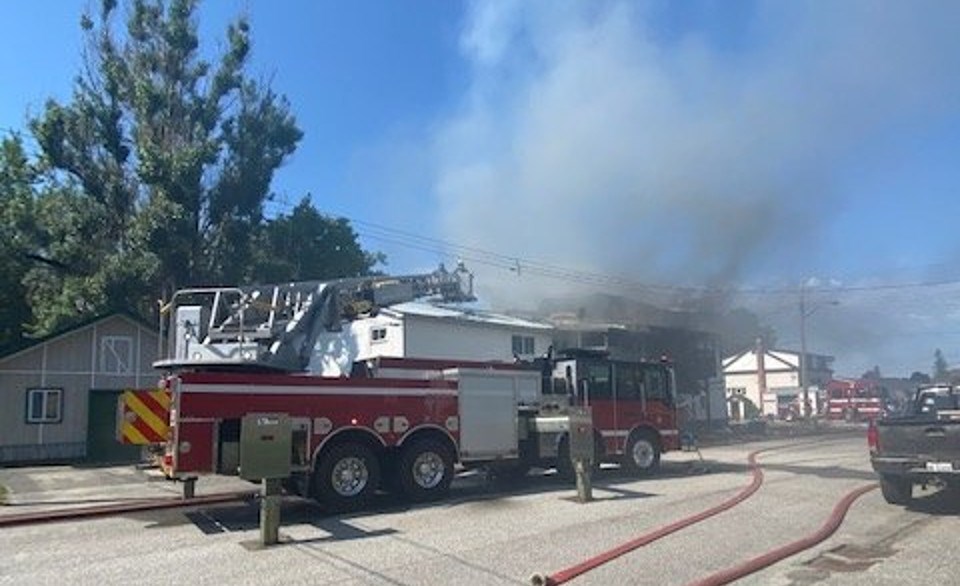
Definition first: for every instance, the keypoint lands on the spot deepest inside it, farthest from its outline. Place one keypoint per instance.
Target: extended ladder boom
(276, 326)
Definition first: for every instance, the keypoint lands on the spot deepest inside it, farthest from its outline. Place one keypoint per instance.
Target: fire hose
(730, 574)
(596, 561)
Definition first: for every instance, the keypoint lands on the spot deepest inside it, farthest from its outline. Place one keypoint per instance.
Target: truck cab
(633, 403)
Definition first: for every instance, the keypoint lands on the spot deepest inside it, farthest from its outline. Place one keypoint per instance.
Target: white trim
(109, 347)
(614, 433)
(66, 334)
(197, 420)
(136, 368)
(336, 432)
(625, 433)
(406, 436)
(93, 357)
(43, 383)
(46, 393)
(43, 367)
(242, 389)
(43, 373)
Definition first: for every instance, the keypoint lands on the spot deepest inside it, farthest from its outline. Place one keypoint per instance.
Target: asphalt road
(488, 535)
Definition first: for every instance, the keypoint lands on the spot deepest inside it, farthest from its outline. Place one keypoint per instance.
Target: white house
(770, 380)
(423, 330)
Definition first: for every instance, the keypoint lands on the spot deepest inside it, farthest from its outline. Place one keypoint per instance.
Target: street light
(806, 312)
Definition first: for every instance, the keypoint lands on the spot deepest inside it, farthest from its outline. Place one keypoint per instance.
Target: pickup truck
(921, 446)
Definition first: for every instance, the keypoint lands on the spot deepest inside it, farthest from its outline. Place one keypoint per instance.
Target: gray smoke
(589, 139)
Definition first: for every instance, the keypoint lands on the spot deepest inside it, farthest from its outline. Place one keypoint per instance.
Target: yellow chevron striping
(144, 413)
(161, 397)
(132, 435)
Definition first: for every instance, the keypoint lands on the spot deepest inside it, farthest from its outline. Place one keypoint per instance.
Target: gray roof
(471, 315)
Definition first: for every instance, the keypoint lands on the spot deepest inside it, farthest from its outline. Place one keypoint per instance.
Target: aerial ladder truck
(229, 353)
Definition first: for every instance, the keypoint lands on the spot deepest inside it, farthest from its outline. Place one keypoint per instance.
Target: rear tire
(642, 456)
(425, 470)
(347, 476)
(896, 489)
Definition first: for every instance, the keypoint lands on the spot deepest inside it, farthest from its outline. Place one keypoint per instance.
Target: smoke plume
(604, 136)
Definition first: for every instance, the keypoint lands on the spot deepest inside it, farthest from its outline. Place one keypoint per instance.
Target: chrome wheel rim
(428, 470)
(642, 453)
(349, 476)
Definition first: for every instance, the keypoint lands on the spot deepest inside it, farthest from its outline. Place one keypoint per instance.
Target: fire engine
(854, 399)
(401, 424)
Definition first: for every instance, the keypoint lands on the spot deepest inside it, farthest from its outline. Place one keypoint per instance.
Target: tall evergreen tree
(307, 245)
(16, 238)
(158, 168)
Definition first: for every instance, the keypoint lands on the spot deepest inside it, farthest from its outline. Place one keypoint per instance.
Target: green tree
(16, 238)
(157, 169)
(307, 245)
(940, 368)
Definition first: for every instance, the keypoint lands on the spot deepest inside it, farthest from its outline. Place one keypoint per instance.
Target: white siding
(428, 338)
(420, 336)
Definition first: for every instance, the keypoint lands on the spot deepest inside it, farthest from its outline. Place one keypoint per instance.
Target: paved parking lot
(486, 535)
(30, 489)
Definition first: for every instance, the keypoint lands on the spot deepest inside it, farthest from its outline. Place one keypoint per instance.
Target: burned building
(632, 330)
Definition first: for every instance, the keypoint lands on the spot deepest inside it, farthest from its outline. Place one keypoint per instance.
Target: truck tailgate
(928, 440)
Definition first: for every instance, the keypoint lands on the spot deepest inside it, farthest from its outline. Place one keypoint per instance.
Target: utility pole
(803, 352)
(806, 312)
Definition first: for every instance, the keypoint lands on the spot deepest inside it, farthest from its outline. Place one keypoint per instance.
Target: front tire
(347, 476)
(642, 456)
(425, 470)
(896, 490)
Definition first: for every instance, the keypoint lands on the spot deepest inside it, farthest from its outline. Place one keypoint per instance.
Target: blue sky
(751, 144)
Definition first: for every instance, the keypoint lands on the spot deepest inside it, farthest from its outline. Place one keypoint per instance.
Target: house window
(593, 340)
(44, 405)
(116, 354)
(523, 345)
(378, 334)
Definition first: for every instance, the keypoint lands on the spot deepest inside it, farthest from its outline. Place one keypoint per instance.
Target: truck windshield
(934, 402)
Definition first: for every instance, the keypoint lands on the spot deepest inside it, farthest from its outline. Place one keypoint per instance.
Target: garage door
(102, 444)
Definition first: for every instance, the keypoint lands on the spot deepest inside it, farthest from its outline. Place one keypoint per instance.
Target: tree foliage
(16, 238)
(306, 245)
(154, 176)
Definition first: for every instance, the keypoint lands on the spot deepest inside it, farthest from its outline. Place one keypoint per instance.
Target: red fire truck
(854, 400)
(395, 423)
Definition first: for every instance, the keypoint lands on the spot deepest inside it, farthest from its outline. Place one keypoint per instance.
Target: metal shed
(58, 395)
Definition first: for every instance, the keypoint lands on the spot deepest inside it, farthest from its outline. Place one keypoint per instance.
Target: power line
(521, 266)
